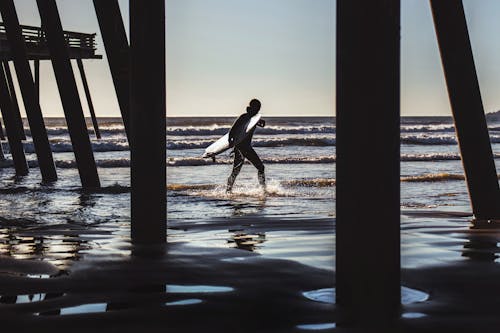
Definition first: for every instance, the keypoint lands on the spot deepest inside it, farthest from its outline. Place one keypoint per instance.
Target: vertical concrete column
(368, 207)
(15, 103)
(467, 108)
(33, 111)
(117, 51)
(89, 98)
(15, 144)
(68, 91)
(148, 121)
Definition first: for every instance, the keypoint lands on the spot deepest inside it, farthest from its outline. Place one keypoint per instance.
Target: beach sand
(213, 276)
(178, 288)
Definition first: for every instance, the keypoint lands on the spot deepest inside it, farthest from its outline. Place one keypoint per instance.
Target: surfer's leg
(252, 156)
(237, 164)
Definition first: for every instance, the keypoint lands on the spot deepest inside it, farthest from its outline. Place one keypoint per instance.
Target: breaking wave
(439, 177)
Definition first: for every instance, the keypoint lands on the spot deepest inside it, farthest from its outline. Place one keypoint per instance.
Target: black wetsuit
(244, 150)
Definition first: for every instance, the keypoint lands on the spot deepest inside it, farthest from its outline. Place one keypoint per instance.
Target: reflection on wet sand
(157, 292)
(482, 242)
(59, 250)
(247, 242)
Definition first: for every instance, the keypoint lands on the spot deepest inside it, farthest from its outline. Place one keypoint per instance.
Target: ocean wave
(106, 163)
(430, 157)
(258, 142)
(63, 131)
(187, 187)
(315, 182)
(219, 130)
(425, 139)
(311, 182)
(65, 146)
(438, 177)
(268, 130)
(428, 128)
(198, 161)
(111, 189)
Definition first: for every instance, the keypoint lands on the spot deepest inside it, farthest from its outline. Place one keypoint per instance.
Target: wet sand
(178, 288)
(246, 274)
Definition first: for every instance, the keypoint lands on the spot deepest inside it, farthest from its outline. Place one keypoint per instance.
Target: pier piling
(368, 208)
(15, 103)
(33, 111)
(118, 53)
(68, 91)
(13, 135)
(2, 135)
(148, 121)
(467, 107)
(89, 98)
(36, 66)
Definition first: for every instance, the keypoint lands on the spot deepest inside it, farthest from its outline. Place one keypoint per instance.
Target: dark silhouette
(147, 123)
(467, 108)
(13, 134)
(18, 49)
(244, 148)
(68, 91)
(89, 98)
(117, 49)
(2, 135)
(13, 96)
(368, 211)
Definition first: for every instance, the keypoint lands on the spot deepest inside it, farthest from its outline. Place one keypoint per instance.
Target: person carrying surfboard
(243, 149)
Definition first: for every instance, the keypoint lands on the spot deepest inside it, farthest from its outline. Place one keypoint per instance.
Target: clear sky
(222, 53)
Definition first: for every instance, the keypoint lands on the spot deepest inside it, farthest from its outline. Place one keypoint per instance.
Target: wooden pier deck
(80, 45)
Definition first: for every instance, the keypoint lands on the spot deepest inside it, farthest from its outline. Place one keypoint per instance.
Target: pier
(368, 271)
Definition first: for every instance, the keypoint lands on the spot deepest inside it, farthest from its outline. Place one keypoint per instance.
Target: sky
(222, 53)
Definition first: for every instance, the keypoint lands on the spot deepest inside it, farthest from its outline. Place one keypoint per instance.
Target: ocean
(299, 155)
(61, 222)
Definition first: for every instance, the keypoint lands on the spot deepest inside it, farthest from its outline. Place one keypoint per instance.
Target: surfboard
(241, 132)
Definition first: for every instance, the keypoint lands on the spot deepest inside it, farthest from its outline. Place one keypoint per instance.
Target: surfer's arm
(233, 129)
(261, 123)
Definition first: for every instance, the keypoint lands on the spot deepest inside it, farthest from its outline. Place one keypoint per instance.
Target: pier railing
(82, 45)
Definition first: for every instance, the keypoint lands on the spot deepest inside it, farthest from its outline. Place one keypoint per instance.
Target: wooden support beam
(368, 208)
(33, 111)
(467, 107)
(2, 154)
(68, 91)
(89, 98)
(148, 121)
(15, 104)
(15, 143)
(36, 65)
(117, 51)
(2, 135)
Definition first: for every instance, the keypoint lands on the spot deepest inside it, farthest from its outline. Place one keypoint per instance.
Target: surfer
(244, 149)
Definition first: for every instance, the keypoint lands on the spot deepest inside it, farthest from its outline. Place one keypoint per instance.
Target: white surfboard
(240, 134)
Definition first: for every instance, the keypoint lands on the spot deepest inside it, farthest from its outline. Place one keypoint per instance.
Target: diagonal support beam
(36, 66)
(15, 143)
(117, 51)
(2, 135)
(368, 209)
(15, 103)
(467, 107)
(33, 111)
(148, 121)
(68, 91)
(89, 98)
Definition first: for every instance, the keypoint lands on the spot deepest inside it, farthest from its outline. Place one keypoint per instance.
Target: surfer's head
(254, 106)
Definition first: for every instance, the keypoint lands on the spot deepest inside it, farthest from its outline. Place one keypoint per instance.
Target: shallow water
(61, 224)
